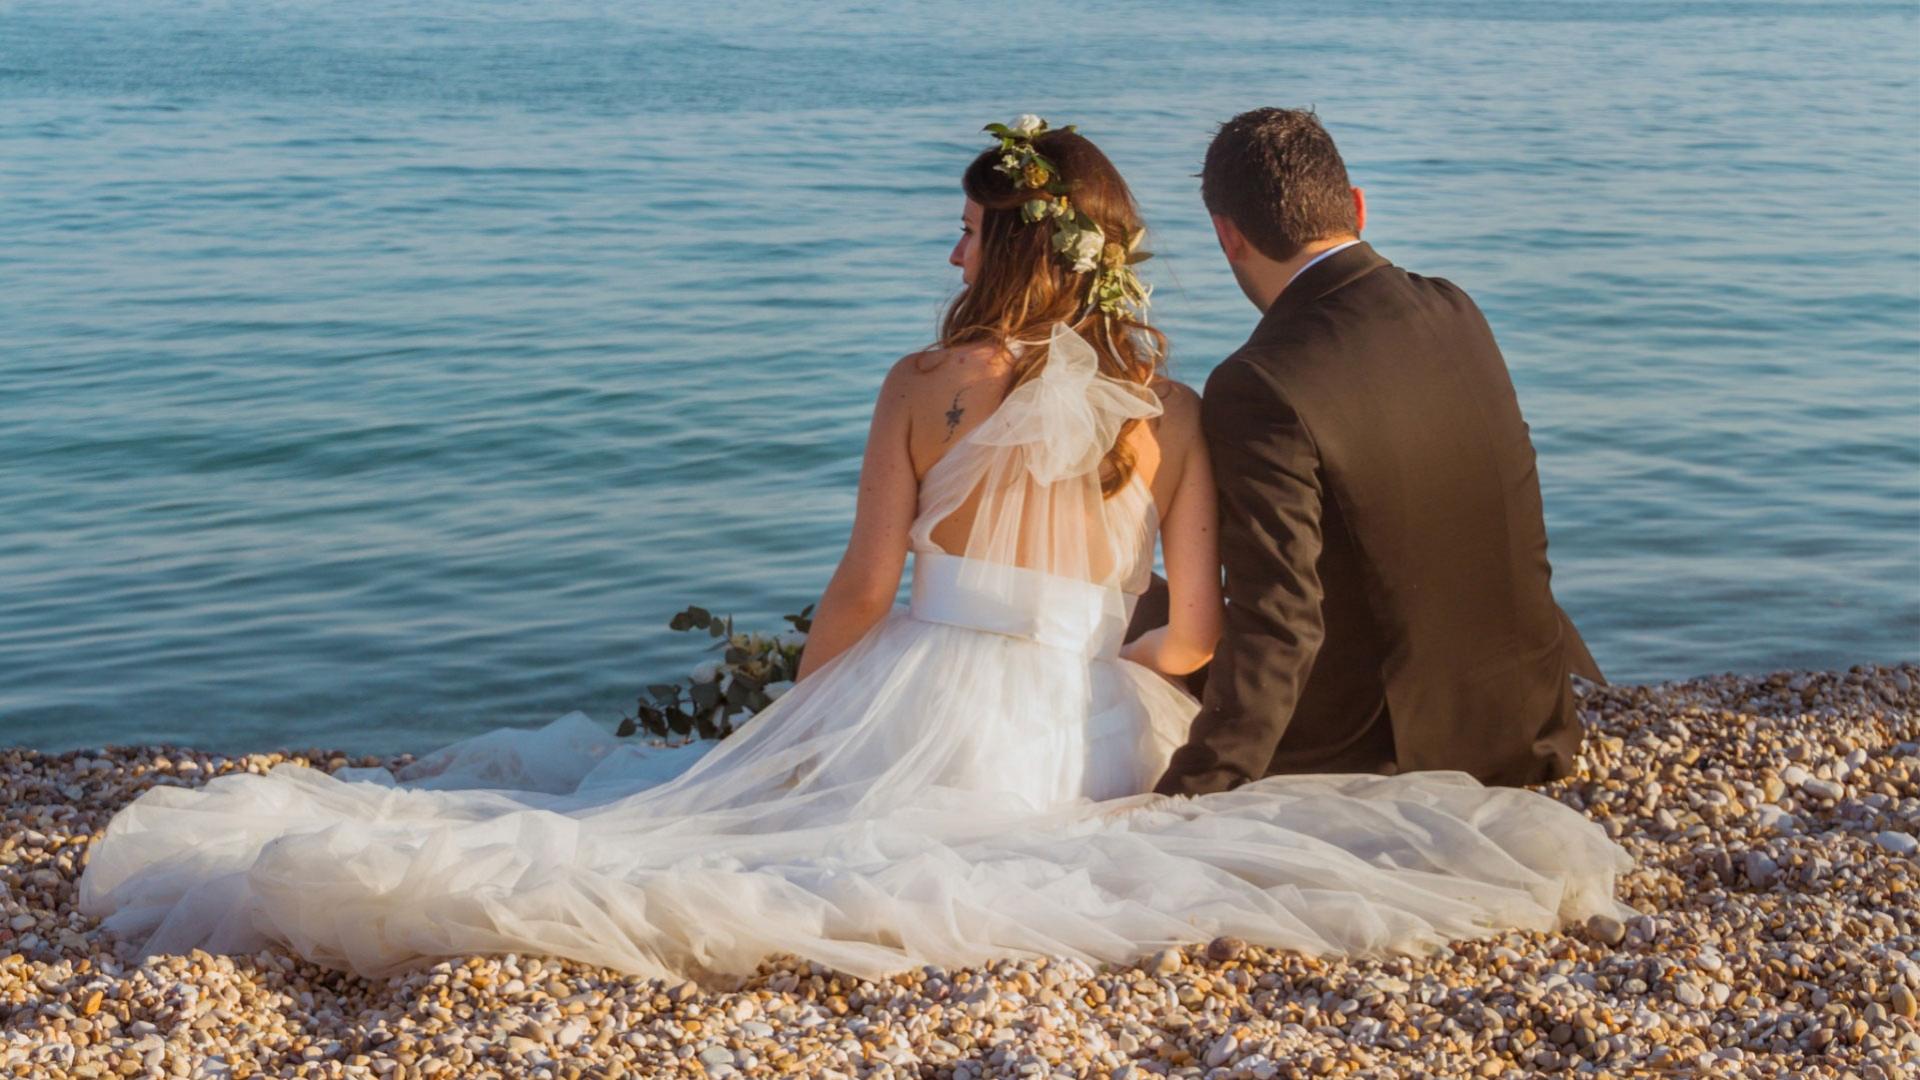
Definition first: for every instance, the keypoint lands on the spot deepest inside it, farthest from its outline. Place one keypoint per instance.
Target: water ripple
(373, 374)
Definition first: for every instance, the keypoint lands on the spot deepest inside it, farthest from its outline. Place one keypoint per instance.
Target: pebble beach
(1774, 821)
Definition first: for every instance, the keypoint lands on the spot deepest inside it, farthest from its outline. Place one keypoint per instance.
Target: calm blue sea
(375, 372)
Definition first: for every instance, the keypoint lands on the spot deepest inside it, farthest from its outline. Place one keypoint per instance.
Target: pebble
(1897, 842)
(1164, 962)
(1823, 789)
(1812, 974)
(1607, 929)
(1773, 819)
(1223, 949)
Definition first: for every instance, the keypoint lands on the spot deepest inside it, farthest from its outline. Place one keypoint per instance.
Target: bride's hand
(1143, 649)
(1156, 651)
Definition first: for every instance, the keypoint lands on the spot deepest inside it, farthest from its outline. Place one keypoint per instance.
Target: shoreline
(1773, 820)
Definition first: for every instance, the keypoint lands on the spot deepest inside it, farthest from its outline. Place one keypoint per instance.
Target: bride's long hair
(1022, 287)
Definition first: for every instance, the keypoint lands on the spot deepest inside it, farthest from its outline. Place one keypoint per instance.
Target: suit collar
(1323, 277)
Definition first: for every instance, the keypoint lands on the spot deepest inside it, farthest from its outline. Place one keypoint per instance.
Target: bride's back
(1067, 480)
(1037, 449)
(1066, 525)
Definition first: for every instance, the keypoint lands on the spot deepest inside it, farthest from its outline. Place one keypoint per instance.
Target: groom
(1380, 521)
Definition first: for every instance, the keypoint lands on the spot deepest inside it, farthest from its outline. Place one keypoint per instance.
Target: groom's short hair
(1276, 174)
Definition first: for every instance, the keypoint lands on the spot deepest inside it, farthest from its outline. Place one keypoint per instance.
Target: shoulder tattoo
(954, 414)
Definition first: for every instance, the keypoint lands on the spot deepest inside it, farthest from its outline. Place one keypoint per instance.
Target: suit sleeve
(1267, 470)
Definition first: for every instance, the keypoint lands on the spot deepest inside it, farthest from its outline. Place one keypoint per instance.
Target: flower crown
(1115, 289)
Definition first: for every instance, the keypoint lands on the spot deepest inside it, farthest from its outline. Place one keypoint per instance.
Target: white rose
(773, 690)
(793, 639)
(1085, 249)
(706, 672)
(1027, 125)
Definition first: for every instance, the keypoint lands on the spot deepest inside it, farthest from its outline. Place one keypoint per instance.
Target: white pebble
(1898, 842)
(1823, 789)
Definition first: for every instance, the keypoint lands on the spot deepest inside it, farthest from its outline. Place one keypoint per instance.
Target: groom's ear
(1233, 242)
(1359, 210)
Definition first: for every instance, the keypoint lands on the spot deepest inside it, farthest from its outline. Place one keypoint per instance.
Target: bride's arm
(1190, 543)
(868, 579)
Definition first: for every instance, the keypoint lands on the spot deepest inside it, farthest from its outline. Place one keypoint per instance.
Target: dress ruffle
(1066, 418)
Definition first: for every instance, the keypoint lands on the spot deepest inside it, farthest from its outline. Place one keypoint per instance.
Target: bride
(958, 780)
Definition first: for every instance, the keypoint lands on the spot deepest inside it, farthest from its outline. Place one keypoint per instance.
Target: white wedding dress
(964, 783)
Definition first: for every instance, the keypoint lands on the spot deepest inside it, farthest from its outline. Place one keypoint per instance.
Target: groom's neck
(1266, 282)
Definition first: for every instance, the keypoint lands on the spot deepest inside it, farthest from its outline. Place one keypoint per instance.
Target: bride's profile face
(966, 253)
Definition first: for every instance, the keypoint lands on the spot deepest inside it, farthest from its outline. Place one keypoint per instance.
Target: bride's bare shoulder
(933, 374)
(946, 392)
(932, 379)
(1180, 418)
(961, 362)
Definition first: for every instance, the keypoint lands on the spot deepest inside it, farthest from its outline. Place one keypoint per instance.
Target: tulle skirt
(935, 795)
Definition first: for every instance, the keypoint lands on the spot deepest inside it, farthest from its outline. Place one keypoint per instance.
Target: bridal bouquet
(719, 695)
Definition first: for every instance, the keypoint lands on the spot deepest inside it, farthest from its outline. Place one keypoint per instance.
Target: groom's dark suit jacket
(1386, 559)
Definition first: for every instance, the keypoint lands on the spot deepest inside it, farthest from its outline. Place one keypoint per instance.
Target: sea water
(372, 373)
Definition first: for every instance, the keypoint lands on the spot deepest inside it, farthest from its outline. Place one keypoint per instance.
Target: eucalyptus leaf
(675, 709)
(705, 695)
